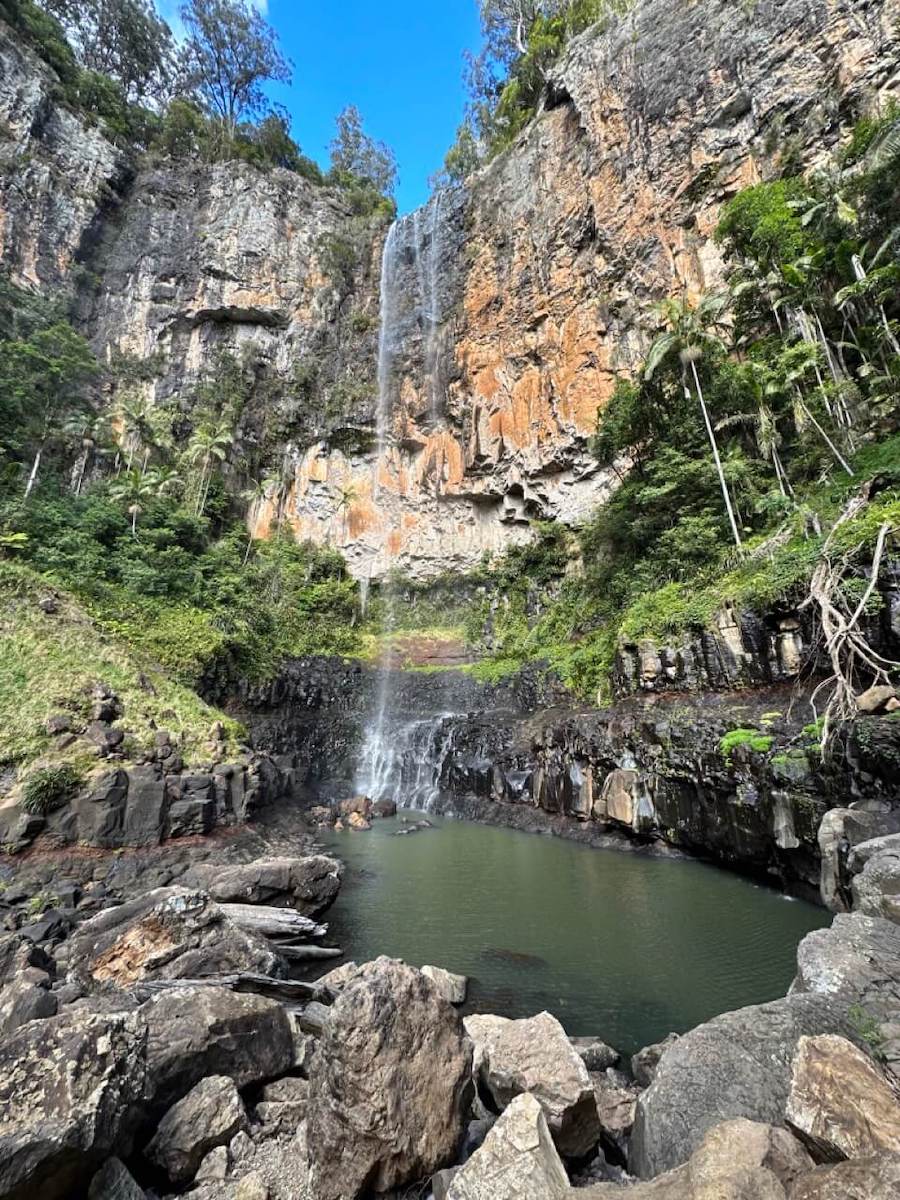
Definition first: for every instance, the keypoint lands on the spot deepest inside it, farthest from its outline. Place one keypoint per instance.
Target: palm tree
(165, 481)
(690, 335)
(136, 416)
(758, 381)
(795, 364)
(132, 488)
(209, 445)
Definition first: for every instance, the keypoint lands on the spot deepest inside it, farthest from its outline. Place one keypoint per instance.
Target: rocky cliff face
(508, 308)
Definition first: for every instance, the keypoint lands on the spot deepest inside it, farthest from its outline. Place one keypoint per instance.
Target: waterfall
(427, 231)
(408, 765)
(399, 758)
(388, 297)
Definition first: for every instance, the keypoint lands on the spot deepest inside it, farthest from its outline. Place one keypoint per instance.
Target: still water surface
(614, 944)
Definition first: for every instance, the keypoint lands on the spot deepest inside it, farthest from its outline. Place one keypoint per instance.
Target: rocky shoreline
(155, 1041)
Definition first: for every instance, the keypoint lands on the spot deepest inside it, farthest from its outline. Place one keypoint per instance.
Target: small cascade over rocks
(407, 762)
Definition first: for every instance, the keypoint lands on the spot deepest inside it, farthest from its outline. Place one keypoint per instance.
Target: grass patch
(51, 662)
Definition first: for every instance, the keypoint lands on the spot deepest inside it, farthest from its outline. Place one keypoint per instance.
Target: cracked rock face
(509, 307)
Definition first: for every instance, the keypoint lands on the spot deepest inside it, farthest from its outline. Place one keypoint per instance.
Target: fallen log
(303, 953)
(289, 991)
(273, 922)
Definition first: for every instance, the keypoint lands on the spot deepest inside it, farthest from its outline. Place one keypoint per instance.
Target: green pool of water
(618, 945)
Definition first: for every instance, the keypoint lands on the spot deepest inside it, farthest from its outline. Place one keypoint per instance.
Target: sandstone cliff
(509, 307)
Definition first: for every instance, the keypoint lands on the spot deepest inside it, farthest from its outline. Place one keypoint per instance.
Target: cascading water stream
(401, 759)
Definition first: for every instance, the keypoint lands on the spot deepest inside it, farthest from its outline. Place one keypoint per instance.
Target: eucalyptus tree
(353, 152)
(692, 333)
(230, 52)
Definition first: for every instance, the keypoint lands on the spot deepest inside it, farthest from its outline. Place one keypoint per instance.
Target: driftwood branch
(306, 953)
(273, 922)
(289, 991)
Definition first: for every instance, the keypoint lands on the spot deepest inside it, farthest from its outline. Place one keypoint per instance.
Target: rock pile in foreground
(160, 1047)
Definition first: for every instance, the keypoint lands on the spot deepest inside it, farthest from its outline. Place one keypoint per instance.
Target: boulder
(384, 808)
(114, 1182)
(208, 1116)
(595, 1055)
(874, 868)
(308, 885)
(195, 1032)
(875, 698)
(534, 1055)
(25, 978)
(736, 1160)
(68, 1089)
(857, 962)
(358, 822)
(284, 1104)
(876, 1177)
(840, 1103)
(616, 1107)
(389, 1086)
(737, 1065)
(517, 1160)
(645, 1062)
(840, 830)
(451, 987)
(334, 980)
(361, 805)
(168, 933)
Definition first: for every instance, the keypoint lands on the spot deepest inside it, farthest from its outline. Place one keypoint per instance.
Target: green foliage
(48, 788)
(522, 39)
(355, 156)
(748, 739)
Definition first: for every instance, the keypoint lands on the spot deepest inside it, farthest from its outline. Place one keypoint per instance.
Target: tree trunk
(35, 467)
(715, 449)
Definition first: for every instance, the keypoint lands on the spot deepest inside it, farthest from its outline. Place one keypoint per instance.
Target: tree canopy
(231, 52)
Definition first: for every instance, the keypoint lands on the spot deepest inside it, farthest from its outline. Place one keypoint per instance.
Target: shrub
(49, 788)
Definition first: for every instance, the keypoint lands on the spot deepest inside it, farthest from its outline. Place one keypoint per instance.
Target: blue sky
(399, 62)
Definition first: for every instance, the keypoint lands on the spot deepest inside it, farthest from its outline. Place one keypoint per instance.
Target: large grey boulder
(389, 1085)
(875, 1177)
(840, 1103)
(69, 1086)
(195, 1032)
(737, 1065)
(308, 884)
(856, 962)
(840, 830)
(168, 933)
(874, 868)
(535, 1055)
(208, 1116)
(516, 1161)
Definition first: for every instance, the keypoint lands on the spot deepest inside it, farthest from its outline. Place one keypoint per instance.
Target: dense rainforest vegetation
(756, 414)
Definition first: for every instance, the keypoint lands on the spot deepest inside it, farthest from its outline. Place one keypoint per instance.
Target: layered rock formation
(508, 308)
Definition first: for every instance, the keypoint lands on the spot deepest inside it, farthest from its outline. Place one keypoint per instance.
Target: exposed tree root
(851, 657)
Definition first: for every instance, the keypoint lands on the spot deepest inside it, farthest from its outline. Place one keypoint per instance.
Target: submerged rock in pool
(517, 957)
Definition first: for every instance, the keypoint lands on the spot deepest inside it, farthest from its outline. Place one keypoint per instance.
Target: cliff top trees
(124, 39)
(355, 153)
(231, 52)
